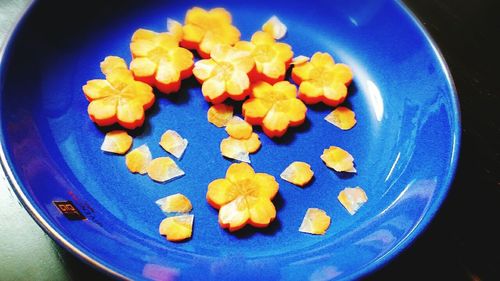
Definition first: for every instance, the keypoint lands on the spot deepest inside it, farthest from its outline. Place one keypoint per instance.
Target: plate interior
(403, 143)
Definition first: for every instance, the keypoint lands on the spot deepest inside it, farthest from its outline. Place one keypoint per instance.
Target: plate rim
(373, 266)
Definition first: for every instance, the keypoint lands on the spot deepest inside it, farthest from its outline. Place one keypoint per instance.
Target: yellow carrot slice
(338, 159)
(177, 228)
(173, 143)
(163, 169)
(234, 149)
(118, 142)
(298, 173)
(298, 60)
(342, 117)
(177, 203)
(316, 221)
(243, 197)
(352, 198)
(175, 28)
(220, 114)
(252, 144)
(275, 27)
(239, 128)
(138, 160)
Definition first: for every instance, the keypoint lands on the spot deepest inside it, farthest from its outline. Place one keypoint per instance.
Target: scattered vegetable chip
(322, 80)
(275, 28)
(175, 29)
(271, 58)
(274, 107)
(239, 149)
(118, 99)
(138, 160)
(117, 141)
(173, 143)
(177, 228)
(342, 117)
(203, 30)
(298, 173)
(225, 74)
(338, 159)
(177, 203)
(234, 149)
(352, 198)
(159, 61)
(162, 169)
(243, 197)
(316, 221)
(252, 144)
(220, 114)
(298, 60)
(239, 128)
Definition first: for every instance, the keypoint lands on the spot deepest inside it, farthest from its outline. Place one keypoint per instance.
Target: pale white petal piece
(298, 60)
(352, 198)
(234, 149)
(173, 143)
(175, 28)
(275, 27)
(164, 169)
(176, 203)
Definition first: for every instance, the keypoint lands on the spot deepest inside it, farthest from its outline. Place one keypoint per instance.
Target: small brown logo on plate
(68, 209)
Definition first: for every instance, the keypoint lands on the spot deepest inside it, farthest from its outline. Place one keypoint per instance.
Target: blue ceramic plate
(405, 143)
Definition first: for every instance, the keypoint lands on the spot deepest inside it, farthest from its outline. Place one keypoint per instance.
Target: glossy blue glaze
(405, 143)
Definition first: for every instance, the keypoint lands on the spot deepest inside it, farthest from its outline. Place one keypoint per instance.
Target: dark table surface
(463, 240)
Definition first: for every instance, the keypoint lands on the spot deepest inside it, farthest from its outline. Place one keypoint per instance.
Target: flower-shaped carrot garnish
(225, 74)
(274, 107)
(119, 98)
(203, 30)
(322, 80)
(271, 58)
(243, 197)
(159, 61)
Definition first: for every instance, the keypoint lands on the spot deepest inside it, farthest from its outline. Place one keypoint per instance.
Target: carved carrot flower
(159, 61)
(243, 197)
(322, 80)
(271, 58)
(118, 98)
(225, 74)
(274, 107)
(203, 30)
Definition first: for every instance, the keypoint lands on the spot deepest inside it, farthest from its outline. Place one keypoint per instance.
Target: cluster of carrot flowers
(229, 68)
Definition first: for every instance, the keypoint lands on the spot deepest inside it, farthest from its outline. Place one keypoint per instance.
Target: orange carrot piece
(274, 107)
(225, 74)
(316, 221)
(163, 169)
(177, 228)
(352, 198)
(275, 27)
(322, 80)
(342, 117)
(119, 98)
(220, 114)
(243, 197)
(272, 58)
(298, 173)
(158, 59)
(338, 159)
(234, 149)
(239, 128)
(176, 203)
(138, 160)
(204, 30)
(118, 142)
(173, 143)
